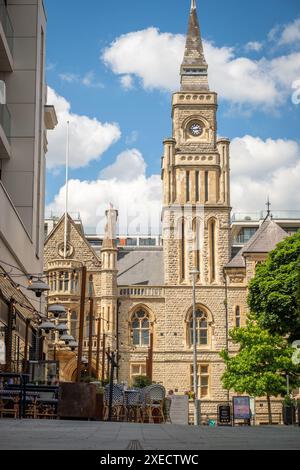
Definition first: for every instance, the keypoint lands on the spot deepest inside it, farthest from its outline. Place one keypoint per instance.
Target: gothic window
(196, 238)
(237, 316)
(91, 286)
(206, 186)
(202, 333)
(182, 249)
(197, 192)
(87, 326)
(212, 249)
(187, 186)
(61, 281)
(66, 281)
(73, 325)
(140, 325)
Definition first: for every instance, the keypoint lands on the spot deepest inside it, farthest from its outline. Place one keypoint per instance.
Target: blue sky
(263, 33)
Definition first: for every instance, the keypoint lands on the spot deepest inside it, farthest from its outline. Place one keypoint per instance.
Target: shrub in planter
(288, 411)
(141, 381)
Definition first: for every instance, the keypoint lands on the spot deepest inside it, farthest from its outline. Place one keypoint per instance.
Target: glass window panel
(136, 338)
(204, 381)
(145, 323)
(135, 324)
(141, 314)
(145, 337)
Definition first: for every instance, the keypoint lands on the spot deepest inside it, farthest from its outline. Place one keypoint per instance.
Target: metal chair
(154, 401)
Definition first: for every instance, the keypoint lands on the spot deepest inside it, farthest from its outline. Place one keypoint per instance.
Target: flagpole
(67, 189)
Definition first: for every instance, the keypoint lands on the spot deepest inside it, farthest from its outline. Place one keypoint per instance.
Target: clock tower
(195, 175)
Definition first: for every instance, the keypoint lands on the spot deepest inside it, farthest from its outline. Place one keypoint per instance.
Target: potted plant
(141, 381)
(288, 411)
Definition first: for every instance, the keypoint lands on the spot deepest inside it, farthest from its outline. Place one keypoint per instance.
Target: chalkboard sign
(241, 408)
(179, 411)
(224, 415)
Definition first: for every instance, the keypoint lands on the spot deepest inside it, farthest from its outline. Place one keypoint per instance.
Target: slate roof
(140, 266)
(264, 240)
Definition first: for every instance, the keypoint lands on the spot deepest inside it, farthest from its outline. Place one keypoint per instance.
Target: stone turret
(109, 277)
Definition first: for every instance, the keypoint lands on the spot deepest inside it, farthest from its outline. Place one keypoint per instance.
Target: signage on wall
(2, 349)
(241, 408)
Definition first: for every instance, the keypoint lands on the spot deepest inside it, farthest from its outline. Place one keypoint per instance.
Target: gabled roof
(79, 231)
(264, 240)
(140, 267)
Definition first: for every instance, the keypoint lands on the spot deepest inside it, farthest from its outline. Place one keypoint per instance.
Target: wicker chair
(133, 406)
(154, 401)
(118, 409)
(9, 405)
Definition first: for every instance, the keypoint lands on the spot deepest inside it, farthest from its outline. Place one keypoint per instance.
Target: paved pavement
(83, 435)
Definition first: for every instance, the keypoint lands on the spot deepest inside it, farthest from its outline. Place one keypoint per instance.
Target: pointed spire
(194, 66)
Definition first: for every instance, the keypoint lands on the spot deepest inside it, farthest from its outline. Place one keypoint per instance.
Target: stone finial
(110, 227)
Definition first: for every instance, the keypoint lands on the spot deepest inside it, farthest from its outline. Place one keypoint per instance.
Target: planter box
(289, 415)
(77, 401)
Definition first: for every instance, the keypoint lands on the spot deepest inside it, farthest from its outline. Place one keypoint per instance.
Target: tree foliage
(274, 292)
(262, 364)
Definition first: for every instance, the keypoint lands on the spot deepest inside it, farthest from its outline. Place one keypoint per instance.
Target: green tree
(274, 292)
(261, 365)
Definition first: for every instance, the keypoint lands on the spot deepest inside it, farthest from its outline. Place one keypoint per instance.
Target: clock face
(196, 129)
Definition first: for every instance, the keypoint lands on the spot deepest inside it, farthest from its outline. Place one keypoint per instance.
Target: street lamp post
(194, 274)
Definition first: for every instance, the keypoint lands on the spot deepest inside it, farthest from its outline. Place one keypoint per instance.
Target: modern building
(142, 296)
(24, 121)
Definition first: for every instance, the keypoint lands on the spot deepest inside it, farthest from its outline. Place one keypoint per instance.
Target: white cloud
(254, 46)
(265, 168)
(126, 82)
(290, 33)
(89, 138)
(127, 165)
(259, 169)
(152, 56)
(137, 197)
(155, 58)
(88, 80)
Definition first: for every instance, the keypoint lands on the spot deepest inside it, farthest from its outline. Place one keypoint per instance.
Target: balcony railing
(5, 120)
(7, 25)
(141, 292)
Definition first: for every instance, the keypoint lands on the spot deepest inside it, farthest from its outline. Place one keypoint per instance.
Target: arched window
(182, 234)
(87, 326)
(140, 325)
(196, 244)
(237, 316)
(212, 249)
(73, 325)
(91, 286)
(202, 333)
